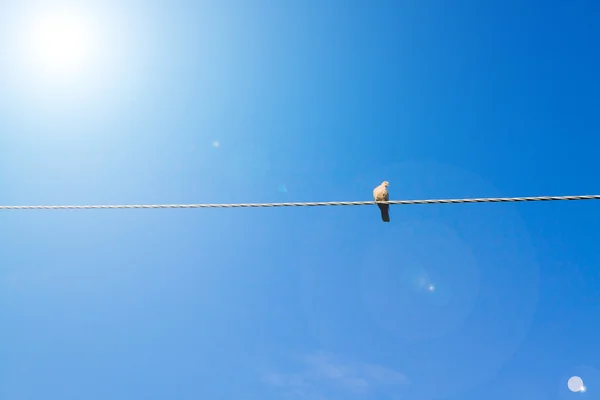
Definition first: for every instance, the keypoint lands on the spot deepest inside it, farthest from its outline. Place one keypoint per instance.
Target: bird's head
(385, 184)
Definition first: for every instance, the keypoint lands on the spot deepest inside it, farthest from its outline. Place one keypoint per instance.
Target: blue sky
(209, 102)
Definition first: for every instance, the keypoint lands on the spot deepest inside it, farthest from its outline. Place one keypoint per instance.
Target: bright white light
(59, 42)
(431, 287)
(74, 60)
(216, 144)
(575, 384)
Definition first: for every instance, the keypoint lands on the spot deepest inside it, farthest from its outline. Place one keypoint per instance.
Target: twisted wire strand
(309, 204)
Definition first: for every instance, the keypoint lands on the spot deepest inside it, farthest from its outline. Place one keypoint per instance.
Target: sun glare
(64, 59)
(59, 42)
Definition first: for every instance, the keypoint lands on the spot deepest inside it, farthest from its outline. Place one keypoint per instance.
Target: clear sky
(265, 101)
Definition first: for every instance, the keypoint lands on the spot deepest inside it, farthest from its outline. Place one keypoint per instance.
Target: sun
(59, 42)
(61, 58)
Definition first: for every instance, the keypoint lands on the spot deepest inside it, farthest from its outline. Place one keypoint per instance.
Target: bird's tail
(385, 212)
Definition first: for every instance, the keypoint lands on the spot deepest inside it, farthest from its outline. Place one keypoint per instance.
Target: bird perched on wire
(380, 193)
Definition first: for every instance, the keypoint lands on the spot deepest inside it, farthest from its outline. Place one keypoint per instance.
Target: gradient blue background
(310, 101)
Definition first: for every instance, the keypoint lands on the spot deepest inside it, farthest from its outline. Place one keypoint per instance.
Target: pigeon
(380, 193)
